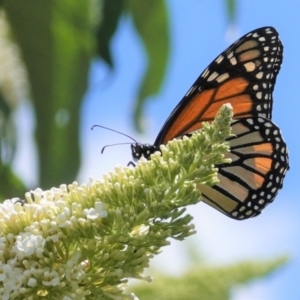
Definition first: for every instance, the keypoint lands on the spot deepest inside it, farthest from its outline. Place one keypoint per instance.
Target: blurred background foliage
(45, 55)
(201, 281)
(48, 49)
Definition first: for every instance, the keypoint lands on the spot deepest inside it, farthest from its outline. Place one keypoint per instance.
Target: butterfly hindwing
(259, 163)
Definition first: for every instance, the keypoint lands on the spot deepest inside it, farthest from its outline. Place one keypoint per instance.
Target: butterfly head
(142, 150)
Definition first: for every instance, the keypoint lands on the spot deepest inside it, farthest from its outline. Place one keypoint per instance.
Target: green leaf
(111, 13)
(56, 42)
(151, 21)
(231, 9)
(11, 184)
(8, 137)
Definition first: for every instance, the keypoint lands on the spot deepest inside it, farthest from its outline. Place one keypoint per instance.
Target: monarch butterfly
(243, 75)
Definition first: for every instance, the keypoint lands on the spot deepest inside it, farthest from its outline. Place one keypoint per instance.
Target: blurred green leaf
(11, 185)
(56, 41)
(13, 86)
(5, 108)
(204, 282)
(151, 21)
(231, 9)
(7, 133)
(111, 13)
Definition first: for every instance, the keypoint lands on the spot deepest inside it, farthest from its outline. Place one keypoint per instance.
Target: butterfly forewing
(243, 75)
(259, 164)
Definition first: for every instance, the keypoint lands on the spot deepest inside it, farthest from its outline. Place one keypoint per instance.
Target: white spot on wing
(213, 76)
(219, 59)
(233, 61)
(222, 77)
(250, 66)
(230, 55)
(259, 75)
(258, 95)
(192, 88)
(205, 73)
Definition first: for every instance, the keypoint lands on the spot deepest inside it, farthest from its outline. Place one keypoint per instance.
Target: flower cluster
(85, 242)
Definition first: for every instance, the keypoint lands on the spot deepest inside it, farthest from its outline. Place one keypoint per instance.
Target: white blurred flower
(27, 244)
(32, 282)
(51, 278)
(97, 212)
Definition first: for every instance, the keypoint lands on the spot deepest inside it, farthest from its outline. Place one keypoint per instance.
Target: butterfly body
(138, 150)
(243, 75)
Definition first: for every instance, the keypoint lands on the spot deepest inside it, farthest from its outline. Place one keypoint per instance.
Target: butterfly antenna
(102, 150)
(116, 131)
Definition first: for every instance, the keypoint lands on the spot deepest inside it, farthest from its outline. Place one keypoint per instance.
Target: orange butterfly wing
(243, 75)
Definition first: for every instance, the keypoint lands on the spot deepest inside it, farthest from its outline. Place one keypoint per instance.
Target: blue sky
(199, 32)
